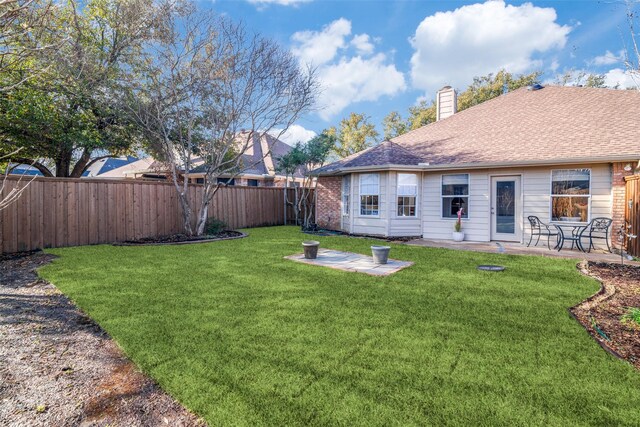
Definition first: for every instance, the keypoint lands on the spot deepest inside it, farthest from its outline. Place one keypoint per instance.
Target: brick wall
(619, 199)
(328, 202)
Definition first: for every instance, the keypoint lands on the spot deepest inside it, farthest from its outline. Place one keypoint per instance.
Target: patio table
(571, 232)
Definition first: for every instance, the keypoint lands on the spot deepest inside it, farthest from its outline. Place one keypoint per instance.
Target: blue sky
(374, 57)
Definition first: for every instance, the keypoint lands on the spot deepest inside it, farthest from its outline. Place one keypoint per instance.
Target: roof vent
(536, 86)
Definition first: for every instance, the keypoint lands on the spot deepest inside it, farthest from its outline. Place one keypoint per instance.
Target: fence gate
(632, 213)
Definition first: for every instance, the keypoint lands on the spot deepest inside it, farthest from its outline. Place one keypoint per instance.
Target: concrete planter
(380, 254)
(310, 249)
(458, 236)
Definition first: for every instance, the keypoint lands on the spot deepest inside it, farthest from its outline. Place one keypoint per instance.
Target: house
(97, 169)
(259, 166)
(108, 164)
(559, 153)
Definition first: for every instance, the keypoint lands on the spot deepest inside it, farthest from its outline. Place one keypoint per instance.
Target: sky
(374, 57)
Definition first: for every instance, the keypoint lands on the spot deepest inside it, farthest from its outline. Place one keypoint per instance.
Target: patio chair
(539, 228)
(599, 229)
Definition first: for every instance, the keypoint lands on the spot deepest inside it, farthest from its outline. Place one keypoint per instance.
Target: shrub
(214, 226)
(632, 315)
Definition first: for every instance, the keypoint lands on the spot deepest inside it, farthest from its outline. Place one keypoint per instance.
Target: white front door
(506, 216)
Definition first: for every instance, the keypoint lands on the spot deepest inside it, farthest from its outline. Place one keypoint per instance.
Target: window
(199, 180)
(369, 194)
(346, 191)
(252, 182)
(570, 195)
(455, 195)
(227, 181)
(407, 194)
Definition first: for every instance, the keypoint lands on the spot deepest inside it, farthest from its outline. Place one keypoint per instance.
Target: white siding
(372, 225)
(535, 199)
(403, 226)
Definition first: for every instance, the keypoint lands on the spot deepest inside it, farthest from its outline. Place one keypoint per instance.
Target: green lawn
(243, 337)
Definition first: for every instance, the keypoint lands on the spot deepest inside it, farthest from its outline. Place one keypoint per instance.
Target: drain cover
(490, 267)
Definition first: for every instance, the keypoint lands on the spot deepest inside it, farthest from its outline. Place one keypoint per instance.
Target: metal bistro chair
(598, 228)
(539, 228)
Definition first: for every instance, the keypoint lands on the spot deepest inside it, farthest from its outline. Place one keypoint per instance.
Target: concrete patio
(520, 249)
(349, 261)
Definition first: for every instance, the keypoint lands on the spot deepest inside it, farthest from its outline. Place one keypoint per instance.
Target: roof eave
(484, 165)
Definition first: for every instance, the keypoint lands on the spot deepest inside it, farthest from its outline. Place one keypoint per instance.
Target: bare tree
(632, 48)
(16, 191)
(207, 93)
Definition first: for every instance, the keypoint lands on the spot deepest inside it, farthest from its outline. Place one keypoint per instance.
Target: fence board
(58, 212)
(632, 213)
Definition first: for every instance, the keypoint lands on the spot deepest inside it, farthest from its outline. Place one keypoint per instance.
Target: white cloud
(362, 43)
(346, 77)
(357, 79)
(278, 2)
(320, 47)
(294, 134)
(622, 79)
(452, 47)
(608, 58)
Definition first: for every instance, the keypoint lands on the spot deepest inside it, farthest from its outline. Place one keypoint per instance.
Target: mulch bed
(177, 239)
(603, 311)
(59, 368)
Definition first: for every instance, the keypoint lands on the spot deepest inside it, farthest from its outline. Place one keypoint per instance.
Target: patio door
(506, 217)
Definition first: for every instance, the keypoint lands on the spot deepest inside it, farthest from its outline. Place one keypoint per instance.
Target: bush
(632, 315)
(214, 226)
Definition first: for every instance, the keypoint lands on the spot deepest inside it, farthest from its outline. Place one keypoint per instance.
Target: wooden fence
(58, 212)
(632, 213)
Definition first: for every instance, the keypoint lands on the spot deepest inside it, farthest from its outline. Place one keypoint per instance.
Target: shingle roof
(551, 124)
(386, 153)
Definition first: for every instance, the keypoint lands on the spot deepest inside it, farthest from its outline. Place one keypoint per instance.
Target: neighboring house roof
(139, 166)
(24, 169)
(105, 165)
(550, 125)
(260, 159)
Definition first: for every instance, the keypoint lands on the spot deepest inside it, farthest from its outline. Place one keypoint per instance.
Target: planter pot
(458, 236)
(311, 249)
(380, 254)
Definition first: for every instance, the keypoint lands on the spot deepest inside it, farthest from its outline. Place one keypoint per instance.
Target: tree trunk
(186, 213)
(203, 214)
(63, 163)
(81, 164)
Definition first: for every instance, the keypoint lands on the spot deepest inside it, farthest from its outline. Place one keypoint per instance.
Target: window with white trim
(407, 194)
(346, 192)
(369, 194)
(570, 195)
(455, 195)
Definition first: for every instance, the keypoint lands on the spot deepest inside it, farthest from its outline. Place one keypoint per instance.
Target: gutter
(484, 165)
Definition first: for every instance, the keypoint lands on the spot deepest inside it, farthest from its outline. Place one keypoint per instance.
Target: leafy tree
(394, 125)
(422, 114)
(355, 134)
(480, 90)
(200, 87)
(306, 158)
(67, 114)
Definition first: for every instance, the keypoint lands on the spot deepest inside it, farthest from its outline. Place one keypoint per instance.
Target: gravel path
(58, 368)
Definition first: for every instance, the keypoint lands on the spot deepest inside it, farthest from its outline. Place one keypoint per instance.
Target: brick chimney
(446, 103)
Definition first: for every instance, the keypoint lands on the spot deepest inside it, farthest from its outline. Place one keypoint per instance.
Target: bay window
(570, 195)
(407, 194)
(455, 195)
(369, 194)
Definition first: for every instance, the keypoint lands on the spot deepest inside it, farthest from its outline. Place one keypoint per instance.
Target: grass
(243, 337)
